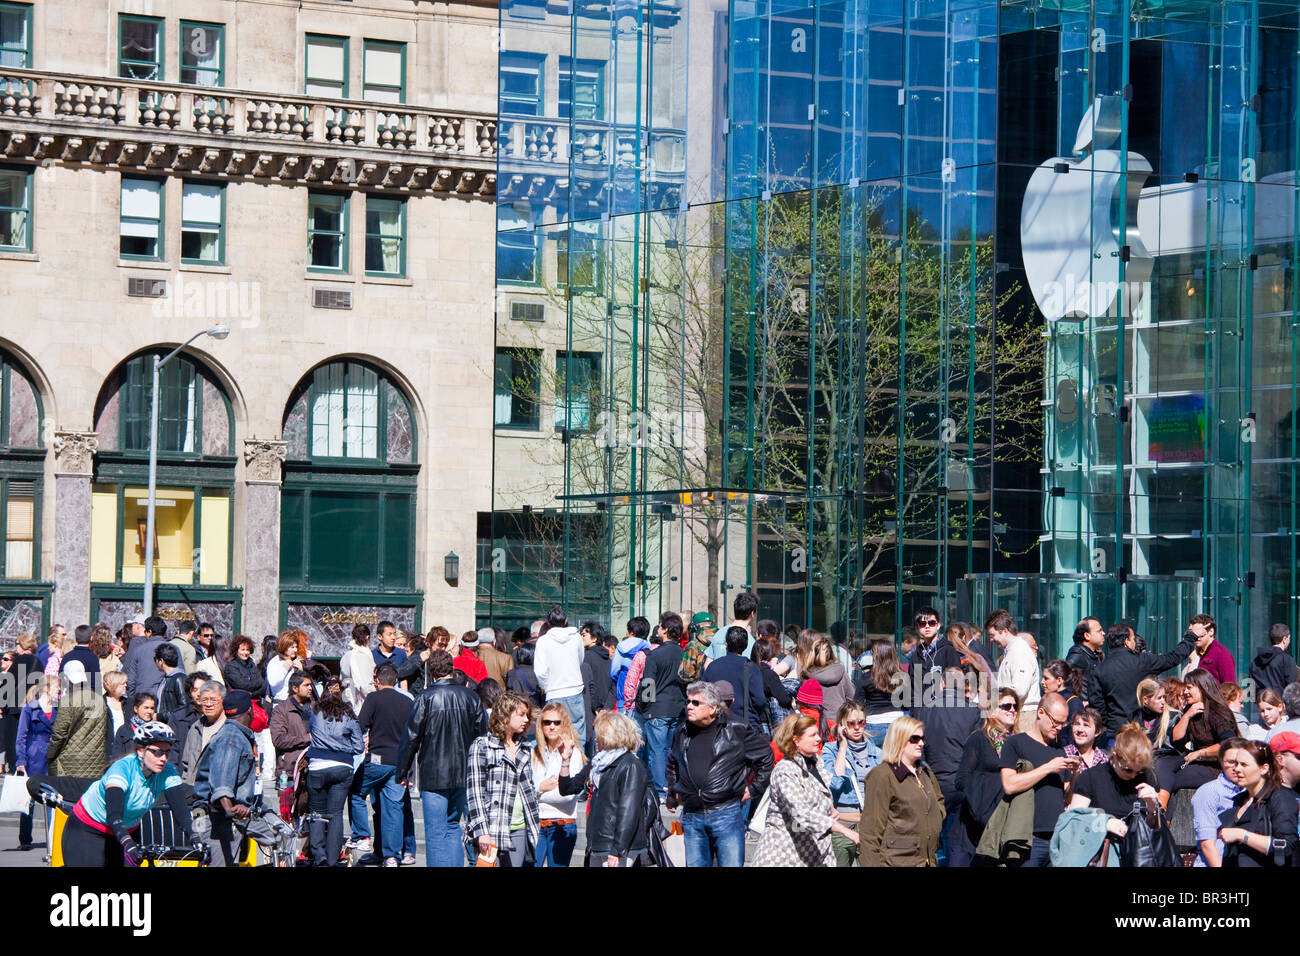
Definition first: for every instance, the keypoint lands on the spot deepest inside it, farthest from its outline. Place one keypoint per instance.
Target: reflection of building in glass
(798, 298)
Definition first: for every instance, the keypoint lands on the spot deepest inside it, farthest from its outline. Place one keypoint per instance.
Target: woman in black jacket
(618, 825)
(1200, 733)
(1259, 829)
(979, 776)
(241, 673)
(778, 698)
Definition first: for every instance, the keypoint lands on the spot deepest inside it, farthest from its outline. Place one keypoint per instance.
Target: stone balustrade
(237, 132)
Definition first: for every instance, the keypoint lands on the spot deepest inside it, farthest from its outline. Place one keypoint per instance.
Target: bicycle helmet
(154, 732)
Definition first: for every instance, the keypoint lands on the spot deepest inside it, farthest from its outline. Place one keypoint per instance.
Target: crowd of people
(768, 746)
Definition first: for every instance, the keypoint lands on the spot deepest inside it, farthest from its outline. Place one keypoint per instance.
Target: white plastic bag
(14, 797)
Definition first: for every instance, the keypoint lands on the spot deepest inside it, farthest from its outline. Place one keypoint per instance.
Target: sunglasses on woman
(552, 723)
(1009, 708)
(916, 739)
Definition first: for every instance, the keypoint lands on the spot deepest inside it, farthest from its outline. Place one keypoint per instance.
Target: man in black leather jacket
(715, 766)
(1112, 686)
(445, 720)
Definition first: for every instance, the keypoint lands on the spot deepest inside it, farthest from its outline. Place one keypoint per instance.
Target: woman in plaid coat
(502, 798)
(800, 814)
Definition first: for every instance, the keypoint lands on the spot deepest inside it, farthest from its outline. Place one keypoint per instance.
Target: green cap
(704, 618)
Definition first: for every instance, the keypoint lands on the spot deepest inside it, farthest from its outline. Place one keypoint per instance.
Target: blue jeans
(577, 713)
(715, 837)
(408, 824)
(659, 733)
(443, 810)
(555, 844)
(378, 781)
(1040, 851)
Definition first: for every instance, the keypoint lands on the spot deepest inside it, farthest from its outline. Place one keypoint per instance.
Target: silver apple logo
(1075, 232)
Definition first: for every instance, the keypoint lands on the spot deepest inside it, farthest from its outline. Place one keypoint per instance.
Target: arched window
(347, 506)
(193, 517)
(194, 416)
(349, 411)
(21, 469)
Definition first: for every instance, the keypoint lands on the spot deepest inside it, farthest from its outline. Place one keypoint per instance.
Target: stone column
(73, 466)
(262, 458)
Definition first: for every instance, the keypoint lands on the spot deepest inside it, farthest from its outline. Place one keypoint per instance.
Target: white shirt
(551, 805)
(1019, 671)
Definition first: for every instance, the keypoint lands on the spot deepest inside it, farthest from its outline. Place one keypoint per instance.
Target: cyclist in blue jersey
(99, 829)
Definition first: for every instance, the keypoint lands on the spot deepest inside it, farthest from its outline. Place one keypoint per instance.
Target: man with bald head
(1047, 772)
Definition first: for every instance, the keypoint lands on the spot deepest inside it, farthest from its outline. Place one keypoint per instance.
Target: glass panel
(327, 67)
(327, 232)
(202, 53)
(174, 515)
(399, 541)
(201, 214)
(15, 42)
(20, 526)
(292, 543)
(384, 79)
(141, 219)
(517, 389)
(343, 548)
(213, 558)
(15, 209)
(140, 49)
(385, 225)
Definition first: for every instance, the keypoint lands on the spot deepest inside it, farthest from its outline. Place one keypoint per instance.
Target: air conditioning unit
(331, 298)
(146, 287)
(527, 312)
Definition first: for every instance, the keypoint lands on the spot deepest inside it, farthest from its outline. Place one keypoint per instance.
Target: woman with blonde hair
(801, 816)
(285, 662)
(979, 775)
(1127, 778)
(903, 810)
(58, 647)
(618, 821)
(558, 823)
(502, 814)
(1157, 719)
(114, 691)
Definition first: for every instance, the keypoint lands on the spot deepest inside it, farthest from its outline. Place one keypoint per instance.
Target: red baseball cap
(1286, 742)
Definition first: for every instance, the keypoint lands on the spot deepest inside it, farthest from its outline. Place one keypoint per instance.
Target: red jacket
(468, 663)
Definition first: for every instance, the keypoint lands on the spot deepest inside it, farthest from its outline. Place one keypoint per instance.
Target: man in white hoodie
(557, 662)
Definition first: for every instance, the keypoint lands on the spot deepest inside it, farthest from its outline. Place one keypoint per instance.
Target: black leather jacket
(738, 750)
(445, 720)
(617, 824)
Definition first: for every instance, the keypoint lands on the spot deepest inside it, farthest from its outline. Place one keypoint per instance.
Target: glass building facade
(865, 305)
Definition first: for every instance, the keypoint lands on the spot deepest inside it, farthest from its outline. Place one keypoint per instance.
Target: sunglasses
(696, 703)
(931, 622)
(916, 739)
(552, 723)
(1009, 708)
(157, 751)
(855, 723)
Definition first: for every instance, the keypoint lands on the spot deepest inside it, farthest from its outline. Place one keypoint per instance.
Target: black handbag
(1149, 841)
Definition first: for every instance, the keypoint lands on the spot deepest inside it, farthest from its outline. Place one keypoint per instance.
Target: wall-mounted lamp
(451, 567)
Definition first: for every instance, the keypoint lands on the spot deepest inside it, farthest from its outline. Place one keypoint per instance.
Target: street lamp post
(217, 332)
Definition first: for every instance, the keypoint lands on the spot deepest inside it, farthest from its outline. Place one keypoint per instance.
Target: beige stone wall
(66, 310)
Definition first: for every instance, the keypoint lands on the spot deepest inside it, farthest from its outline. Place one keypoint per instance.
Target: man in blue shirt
(1209, 801)
(386, 650)
(750, 705)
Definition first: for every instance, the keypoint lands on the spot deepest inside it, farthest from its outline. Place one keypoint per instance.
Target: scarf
(601, 762)
(999, 739)
(859, 756)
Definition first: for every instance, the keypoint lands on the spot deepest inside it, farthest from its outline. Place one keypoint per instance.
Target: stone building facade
(316, 176)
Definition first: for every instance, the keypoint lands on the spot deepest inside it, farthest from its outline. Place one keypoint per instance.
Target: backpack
(693, 661)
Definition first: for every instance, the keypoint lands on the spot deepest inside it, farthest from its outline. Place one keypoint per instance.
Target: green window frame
(16, 208)
(197, 40)
(138, 61)
(578, 257)
(16, 35)
(339, 535)
(586, 79)
(316, 82)
(375, 86)
(385, 237)
(346, 416)
(180, 407)
(142, 226)
(20, 507)
(577, 414)
(327, 229)
(517, 387)
(203, 223)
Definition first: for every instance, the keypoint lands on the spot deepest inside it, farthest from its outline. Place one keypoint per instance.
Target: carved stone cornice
(74, 453)
(262, 460)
